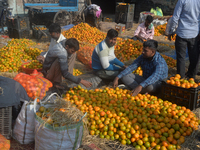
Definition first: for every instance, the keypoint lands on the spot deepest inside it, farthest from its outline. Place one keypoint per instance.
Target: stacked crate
(18, 27)
(125, 14)
(6, 121)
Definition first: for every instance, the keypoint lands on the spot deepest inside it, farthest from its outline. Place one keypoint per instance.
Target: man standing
(145, 31)
(186, 16)
(104, 62)
(57, 37)
(154, 68)
(55, 65)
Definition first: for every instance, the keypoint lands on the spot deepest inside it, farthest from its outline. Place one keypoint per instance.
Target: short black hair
(149, 18)
(55, 27)
(72, 43)
(112, 33)
(152, 44)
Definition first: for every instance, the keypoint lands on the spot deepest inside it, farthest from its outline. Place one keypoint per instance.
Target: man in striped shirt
(104, 62)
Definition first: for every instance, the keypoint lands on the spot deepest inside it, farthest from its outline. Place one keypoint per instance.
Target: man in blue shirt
(104, 62)
(154, 68)
(186, 16)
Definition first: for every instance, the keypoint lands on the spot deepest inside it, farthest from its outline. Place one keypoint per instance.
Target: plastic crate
(190, 98)
(14, 33)
(68, 2)
(18, 23)
(40, 36)
(6, 121)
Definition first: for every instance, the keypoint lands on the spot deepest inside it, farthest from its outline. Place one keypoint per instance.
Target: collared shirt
(103, 57)
(54, 42)
(144, 32)
(153, 70)
(187, 16)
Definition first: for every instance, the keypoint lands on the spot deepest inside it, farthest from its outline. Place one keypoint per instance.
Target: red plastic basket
(28, 70)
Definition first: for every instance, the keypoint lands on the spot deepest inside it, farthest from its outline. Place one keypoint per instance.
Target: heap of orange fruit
(15, 53)
(160, 30)
(4, 143)
(177, 81)
(34, 64)
(127, 49)
(170, 61)
(138, 71)
(77, 72)
(163, 44)
(85, 33)
(143, 121)
(40, 28)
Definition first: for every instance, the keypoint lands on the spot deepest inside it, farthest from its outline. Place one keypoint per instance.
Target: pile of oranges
(34, 64)
(170, 61)
(160, 30)
(163, 44)
(15, 53)
(4, 143)
(143, 121)
(127, 49)
(77, 72)
(138, 71)
(177, 81)
(40, 28)
(85, 33)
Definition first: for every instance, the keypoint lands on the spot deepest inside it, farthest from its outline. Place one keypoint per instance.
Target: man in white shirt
(57, 37)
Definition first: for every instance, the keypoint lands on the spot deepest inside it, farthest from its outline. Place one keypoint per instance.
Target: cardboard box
(120, 28)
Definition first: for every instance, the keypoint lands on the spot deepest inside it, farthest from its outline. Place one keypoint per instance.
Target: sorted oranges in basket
(184, 83)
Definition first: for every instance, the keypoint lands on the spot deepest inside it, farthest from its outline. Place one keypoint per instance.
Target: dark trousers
(135, 39)
(181, 45)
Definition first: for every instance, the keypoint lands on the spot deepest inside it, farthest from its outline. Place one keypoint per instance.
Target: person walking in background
(187, 16)
(145, 31)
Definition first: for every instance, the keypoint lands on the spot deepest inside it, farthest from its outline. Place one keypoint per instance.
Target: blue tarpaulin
(172, 54)
(67, 27)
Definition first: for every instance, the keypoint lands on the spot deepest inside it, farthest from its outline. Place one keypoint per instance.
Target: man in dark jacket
(55, 65)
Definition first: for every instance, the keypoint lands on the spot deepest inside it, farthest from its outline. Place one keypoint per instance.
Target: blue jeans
(133, 80)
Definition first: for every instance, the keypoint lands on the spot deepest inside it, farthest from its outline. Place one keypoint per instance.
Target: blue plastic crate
(68, 2)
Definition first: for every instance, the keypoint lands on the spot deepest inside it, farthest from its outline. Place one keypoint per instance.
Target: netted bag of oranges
(85, 54)
(35, 85)
(4, 143)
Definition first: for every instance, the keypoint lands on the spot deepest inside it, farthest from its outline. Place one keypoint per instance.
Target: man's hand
(40, 58)
(87, 84)
(170, 37)
(115, 82)
(136, 91)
